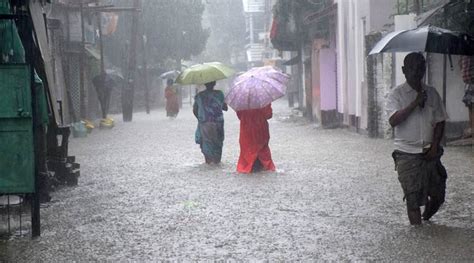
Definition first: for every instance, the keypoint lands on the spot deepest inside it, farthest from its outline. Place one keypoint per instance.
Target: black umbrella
(104, 83)
(455, 15)
(115, 75)
(426, 39)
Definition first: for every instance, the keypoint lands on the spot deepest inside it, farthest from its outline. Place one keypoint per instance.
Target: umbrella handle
(450, 62)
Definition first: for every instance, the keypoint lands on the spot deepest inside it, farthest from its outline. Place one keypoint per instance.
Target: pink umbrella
(257, 88)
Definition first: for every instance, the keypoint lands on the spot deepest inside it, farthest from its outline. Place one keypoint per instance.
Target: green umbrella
(204, 73)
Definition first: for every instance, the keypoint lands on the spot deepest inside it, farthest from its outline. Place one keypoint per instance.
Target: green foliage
(283, 9)
(173, 28)
(408, 6)
(227, 23)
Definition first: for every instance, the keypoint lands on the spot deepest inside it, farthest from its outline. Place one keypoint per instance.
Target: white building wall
(402, 22)
(351, 62)
(456, 109)
(381, 12)
(356, 19)
(362, 13)
(342, 57)
(352, 98)
(383, 86)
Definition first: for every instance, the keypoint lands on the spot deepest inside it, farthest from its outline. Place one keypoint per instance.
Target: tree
(299, 10)
(174, 29)
(416, 6)
(227, 23)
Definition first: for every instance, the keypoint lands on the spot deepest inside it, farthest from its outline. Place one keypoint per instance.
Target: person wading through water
(172, 103)
(417, 114)
(208, 107)
(254, 137)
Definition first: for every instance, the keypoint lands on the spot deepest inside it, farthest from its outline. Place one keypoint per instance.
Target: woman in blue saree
(208, 107)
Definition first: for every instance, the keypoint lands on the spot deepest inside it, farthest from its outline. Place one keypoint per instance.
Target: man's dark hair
(210, 85)
(169, 82)
(413, 57)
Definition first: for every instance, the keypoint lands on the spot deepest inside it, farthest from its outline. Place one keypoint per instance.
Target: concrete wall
(456, 109)
(360, 10)
(342, 39)
(402, 22)
(388, 75)
(357, 18)
(383, 85)
(327, 60)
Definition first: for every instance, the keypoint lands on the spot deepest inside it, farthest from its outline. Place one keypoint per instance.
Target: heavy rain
(236, 130)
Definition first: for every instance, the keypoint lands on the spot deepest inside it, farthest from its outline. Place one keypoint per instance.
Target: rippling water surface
(144, 194)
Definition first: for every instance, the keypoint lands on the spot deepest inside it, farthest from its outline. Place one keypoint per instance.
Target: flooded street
(145, 194)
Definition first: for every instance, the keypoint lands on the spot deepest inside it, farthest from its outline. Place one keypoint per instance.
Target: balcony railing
(254, 6)
(255, 52)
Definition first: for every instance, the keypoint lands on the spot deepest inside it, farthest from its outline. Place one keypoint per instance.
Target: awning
(292, 61)
(316, 17)
(283, 36)
(93, 52)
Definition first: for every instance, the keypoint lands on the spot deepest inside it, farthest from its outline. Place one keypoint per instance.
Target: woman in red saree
(172, 103)
(254, 137)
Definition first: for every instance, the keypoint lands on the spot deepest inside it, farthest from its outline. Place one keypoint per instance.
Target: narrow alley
(145, 194)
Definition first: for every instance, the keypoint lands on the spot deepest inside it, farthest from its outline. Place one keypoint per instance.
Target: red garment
(172, 105)
(254, 138)
(274, 29)
(467, 69)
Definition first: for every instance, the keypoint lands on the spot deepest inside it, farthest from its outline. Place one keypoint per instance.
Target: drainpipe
(82, 90)
(129, 90)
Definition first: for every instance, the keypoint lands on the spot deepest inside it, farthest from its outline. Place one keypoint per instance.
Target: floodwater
(145, 195)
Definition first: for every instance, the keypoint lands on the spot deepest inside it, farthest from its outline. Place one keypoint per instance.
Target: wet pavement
(145, 195)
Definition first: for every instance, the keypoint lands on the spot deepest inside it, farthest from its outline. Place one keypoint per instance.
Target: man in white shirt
(417, 114)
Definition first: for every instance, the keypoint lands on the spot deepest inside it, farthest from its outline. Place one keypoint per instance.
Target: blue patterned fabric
(210, 131)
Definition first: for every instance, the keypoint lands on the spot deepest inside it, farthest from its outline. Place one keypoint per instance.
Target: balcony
(254, 6)
(255, 52)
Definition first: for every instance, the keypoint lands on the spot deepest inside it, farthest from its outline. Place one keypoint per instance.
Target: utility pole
(72, 109)
(129, 90)
(417, 6)
(145, 74)
(180, 53)
(101, 47)
(179, 89)
(82, 91)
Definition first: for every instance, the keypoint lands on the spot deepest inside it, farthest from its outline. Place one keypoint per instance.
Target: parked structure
(32, 159)
(47, 65)
(73, 42)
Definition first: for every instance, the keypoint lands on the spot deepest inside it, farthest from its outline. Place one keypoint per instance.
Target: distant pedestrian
(172, 104)
(418, 116)
(208, 107)
(255, 153)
